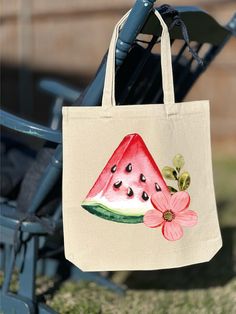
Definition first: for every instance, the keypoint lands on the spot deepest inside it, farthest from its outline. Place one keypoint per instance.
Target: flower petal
(179, 201)
(172, 231)
(161, 201)
(153, 218)
(186, 218)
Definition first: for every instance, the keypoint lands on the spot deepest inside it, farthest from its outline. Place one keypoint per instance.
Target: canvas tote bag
(118, 161)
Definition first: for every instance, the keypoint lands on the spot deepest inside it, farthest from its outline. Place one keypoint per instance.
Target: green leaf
(171, 189)
(178, 162)
(184, 181)
(169, 173)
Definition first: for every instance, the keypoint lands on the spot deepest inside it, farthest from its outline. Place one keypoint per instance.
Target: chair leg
(27, 276)
(44, 309)
(77, 274)
(12, 303)
(1, 259)
(9, 267)
(6, 252)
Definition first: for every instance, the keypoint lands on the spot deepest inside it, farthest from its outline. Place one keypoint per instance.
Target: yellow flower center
(168, 215)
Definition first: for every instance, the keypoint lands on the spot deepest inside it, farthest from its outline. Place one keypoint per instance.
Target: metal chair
(26, 229)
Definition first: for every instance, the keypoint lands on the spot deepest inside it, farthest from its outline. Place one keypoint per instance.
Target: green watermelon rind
(106, 213)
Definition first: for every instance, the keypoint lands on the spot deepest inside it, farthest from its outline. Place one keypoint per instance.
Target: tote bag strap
(108, 99)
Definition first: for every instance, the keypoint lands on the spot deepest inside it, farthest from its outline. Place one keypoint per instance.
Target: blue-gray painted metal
(77, 274)
(132, 27)
(9, 221)
(28, 272)
(191, 17)
(232, 25)
(210, 55)
(135, 21)
(48, 180)
(56, 114)
(9, 267)
(58, 89)
(24, 126)
(14, 304)
(44, 309)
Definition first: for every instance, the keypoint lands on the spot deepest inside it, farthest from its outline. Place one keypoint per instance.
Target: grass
(88, 298)
(202, 289)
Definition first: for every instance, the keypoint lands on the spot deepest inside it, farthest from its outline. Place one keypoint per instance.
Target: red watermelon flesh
(124, 188)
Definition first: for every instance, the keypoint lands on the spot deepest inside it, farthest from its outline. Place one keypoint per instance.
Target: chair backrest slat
(136, 76)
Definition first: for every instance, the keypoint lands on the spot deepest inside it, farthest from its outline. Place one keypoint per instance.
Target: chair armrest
(24, 126)
(59, 90)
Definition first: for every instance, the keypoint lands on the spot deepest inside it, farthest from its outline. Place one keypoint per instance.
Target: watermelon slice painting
(122, 192)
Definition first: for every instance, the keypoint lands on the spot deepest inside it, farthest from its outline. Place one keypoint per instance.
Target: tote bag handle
(108, 99)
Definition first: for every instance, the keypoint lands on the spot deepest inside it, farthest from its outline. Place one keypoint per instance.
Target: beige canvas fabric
(91, 135)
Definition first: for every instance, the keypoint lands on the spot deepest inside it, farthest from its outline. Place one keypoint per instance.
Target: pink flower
(171, 213)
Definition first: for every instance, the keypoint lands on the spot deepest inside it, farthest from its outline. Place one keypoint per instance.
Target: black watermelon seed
(113, 169)
(117, 184)
(142, 178)
(130, 192)
(158, 189)
(128, 167)
(145, 196)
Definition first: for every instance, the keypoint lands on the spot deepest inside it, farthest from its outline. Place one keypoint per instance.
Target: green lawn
(205, 288)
